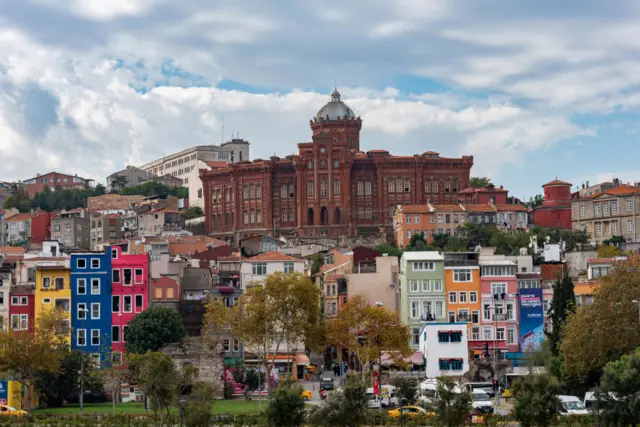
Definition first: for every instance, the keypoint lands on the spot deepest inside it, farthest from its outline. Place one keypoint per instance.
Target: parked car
(481, 402)
(413, 412)
(326, 384)
(571, 405)
(11, 411)
(487, 387)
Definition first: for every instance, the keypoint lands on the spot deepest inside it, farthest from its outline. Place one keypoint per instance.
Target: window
(511, 315)
(95, 337)
(427, 187)
(511, 336)
(444, 364)
(596, 208)
(413, 286)
(95, 286)
(598, 229)
(475, 317)
(473, 297)
(629, 203)
(360, 188)
(367, 212)
(127, 303)
(226, 345)
(629, 225)
(434, 186)
(95, 262)
(115, 334)
(139, 273)
(59, 283)
(486, 312)
(475, 334)
(440, 217)
(236, 345)
(415, 333)
(259, 268)
(443, 337)
(246, 216)
(456, 336)
(126, 272)
(407, 219)
(46, 300)
(367, 188)
(114, 254)
(81, 263)
(336, 187)
(82, 311)
(416, 219)
(498, 288)
(437, 285)
(46, 282)
(81, 339)
(288, 267)
(452, 316)
(245, 192)
(158, 293)
(310, 188)
(447, 186)
(115, 276)
(426, 308)
(125, 332)
(463, 297)
(500, 334)
(452, 298)
(406, 186)
(487, 333)
(115, 304)
(336, 163)
(439, 308)
(426, 286)
(82, 287)
(95, 310)
(605, 208)
(423, 266)
(139, 301)
(462, 275)
(391, 186)
(614, 227)
(415, 309)
(15, 322)
(323, 187)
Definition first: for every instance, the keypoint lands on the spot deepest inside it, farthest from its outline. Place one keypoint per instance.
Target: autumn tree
(368, 331)
(605, 330)
(609, 251)
(24, 355)
(284, 310)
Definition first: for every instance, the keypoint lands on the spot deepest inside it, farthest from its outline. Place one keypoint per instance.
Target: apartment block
(105, 229)
(72, 228)
(462, 286)
(54, 180)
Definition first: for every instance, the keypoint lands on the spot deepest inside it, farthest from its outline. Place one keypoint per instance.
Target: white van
(481, 402)
(571, 405)
(428, 390)
(591, 403)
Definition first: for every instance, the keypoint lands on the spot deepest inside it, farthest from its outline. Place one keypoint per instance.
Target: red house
(53, 180)
(27, 228)
(21, 308)
(555, 211)
(129, 292)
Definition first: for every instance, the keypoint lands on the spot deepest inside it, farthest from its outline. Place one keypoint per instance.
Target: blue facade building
(91, 304)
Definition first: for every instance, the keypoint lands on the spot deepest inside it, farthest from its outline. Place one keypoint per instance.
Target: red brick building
(53, 180)
(555, 211)
(29, 228)
(329, 188)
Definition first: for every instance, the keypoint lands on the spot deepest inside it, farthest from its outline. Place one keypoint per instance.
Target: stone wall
(207, 358)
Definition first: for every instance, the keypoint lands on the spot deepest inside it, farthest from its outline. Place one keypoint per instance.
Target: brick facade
(329, 188)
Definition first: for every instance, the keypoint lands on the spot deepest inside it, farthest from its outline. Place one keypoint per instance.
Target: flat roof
(423, 256)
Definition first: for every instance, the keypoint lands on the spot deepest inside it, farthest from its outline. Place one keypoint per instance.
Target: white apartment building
(182, 163)
(445, 347)
(193, 181)
(254, 270)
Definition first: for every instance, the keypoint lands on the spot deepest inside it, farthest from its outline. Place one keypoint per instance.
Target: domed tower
(337, 120)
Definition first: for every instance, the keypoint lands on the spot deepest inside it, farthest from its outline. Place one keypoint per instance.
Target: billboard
(4, 392)
(531, 319)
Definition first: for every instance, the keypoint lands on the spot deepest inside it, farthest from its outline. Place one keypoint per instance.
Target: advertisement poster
(238, 389)
(531, 319)
(4, 392)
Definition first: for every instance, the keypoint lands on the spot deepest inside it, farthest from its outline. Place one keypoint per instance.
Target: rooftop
(273, 256)
(557, 182)
(423, 256)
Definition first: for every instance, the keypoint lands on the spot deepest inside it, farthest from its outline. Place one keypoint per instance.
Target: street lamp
(84, 312)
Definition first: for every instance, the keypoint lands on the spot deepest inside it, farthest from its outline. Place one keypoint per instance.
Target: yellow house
(53, 291)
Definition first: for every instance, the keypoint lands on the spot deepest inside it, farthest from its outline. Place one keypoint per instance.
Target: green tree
(152, 188)
(609, 251)
(562, 305)
(153, 328)
(605, 330)
(509, 243)
(156, 374)
(452, 406)
(99, 190)
(535, 201)
(368, 330)
(317, 261)
(406, 389)
(477, 234)
(535, 400)
(119, 182)
(479, 181)
(287, 407)
(19, 199)
(389, 249)
(193, 212)
(417, 243)
(197, 411)
(457, 244)
(620, 391)
(439, 242)
(344, 408)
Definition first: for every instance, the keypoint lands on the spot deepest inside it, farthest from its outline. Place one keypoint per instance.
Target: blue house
(91, 304)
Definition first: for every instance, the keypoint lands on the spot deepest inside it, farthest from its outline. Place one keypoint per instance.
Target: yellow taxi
(11, 411)
(409, 412)
(306, 395)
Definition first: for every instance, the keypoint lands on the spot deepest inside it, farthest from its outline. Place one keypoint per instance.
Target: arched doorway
(336, 216)
(324, 215)
(310, 217)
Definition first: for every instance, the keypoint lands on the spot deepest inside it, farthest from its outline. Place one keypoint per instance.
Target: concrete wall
(376, 287)
(577, 261)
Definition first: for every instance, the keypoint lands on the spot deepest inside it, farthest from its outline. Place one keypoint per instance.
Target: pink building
(499, 299)
(129, 290)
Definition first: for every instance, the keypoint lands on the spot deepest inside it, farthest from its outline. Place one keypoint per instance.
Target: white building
(182, 163)
(6, 277)
(445, 346)
(255, 269)
(193, 181)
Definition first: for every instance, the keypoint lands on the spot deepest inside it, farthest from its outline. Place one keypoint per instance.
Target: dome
(335, 109)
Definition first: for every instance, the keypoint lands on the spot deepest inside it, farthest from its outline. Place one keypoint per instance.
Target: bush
(287, 407)
(344, 408)
(197, 411)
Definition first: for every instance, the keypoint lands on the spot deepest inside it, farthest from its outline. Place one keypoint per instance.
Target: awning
(416, 358)
(302, 359)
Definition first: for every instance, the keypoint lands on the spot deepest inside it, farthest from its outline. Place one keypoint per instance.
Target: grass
(219, 407)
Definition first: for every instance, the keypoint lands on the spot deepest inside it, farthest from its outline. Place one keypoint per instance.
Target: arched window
(284, 216)
(252, 193)
(259, 216)
(336, 187)
(367, 188)
(253, 216)
(360, 188)
(291, 192)
(219, 220)
(323, 187)
(283, 191)
(259, 191)
(336, 163)
(310, 188)
(246, 192)
(246, 216)
(323, 163)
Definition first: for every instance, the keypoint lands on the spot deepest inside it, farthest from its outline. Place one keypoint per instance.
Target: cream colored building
(193, 181)
(613, 212)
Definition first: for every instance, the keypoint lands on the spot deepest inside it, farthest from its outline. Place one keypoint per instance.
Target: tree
(452, 406)
(197, 411)
(406, 389)
(605, 330)
(562, 304)
(153, 188)
(317, 261)
(439, 242)
(154, 328)
(287, 407)
(368, 331)
(389, 249)
(509, 243)
(620, 391)
(283, 309)
(479, 181)
(157, 375)
(99, 190)
(112, 377)
(19, 199)
(609, 251)
(457, 244)
(24, 356)
(535, 201)
(344, 408)
(119, 182)
(193, 212)
(535, 400)
(417, 242)
(57, 387)
(476, 234)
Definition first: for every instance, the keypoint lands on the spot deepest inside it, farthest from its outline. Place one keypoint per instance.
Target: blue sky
(533, 90)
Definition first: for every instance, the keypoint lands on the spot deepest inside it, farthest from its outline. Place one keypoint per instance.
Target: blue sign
(4, 392)
(531, 319)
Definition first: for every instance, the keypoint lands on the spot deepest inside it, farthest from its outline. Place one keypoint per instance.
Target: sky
(533, 90)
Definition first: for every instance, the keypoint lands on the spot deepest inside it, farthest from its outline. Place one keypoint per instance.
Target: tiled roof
(11, 250)
(19, 217)
(606, 260)
(622, 190)
(511, 208)
(217, 164)
(479, 208)
(163, 281)
(273, 256)
(557, 182)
